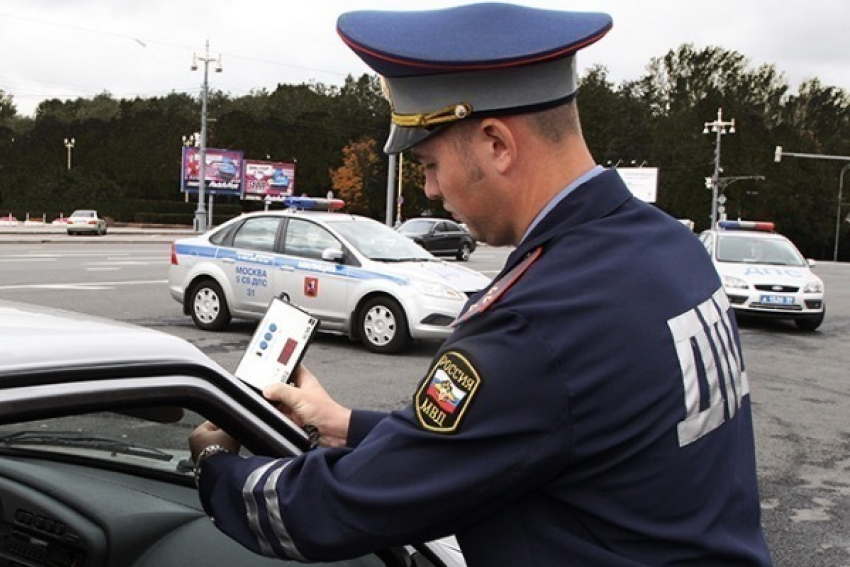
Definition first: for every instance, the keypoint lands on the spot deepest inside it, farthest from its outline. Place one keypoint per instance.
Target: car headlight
(435, 289)
(733, 282)
(815, 286)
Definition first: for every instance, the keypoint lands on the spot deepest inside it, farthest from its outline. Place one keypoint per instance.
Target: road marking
(124, 263)
(83, 286)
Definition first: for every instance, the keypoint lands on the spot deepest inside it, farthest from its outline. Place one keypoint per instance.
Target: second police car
(358, 276)
(764, 274)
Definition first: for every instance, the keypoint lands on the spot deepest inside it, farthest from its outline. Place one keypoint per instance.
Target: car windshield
(416, 227)
(107, 436)
(88, 214)
(755, 250)
(377, 241)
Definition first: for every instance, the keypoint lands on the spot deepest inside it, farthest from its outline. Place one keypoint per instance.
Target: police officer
(590, 408)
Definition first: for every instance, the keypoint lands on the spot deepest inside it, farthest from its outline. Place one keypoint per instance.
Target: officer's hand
(208, 434)
(308, 404)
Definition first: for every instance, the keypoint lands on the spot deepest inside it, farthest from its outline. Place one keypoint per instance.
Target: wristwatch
(207, 451)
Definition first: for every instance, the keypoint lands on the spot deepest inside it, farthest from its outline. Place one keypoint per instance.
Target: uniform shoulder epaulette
(499, 287)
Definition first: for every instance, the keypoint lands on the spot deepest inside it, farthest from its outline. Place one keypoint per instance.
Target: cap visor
(401, 138)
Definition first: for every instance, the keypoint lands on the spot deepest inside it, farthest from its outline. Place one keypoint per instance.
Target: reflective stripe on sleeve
(275, 519)
(272, 510)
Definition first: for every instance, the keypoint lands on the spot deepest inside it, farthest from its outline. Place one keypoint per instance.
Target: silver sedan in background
(85, 221)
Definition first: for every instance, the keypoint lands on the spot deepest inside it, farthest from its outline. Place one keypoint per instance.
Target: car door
(454, 236)
(253, 258)
(305, 279)
(441, 238)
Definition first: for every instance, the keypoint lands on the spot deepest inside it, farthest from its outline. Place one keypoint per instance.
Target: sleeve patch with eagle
(446, 392)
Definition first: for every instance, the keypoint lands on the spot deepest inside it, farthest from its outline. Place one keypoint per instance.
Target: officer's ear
(501, 143)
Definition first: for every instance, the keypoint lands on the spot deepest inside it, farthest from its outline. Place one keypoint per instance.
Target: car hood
(74, 339)
(766, 273)
(458, 277)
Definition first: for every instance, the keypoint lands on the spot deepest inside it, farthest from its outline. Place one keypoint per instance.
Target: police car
(764, 274)
(358, 276)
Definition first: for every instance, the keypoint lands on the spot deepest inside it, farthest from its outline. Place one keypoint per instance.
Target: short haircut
(554, 124)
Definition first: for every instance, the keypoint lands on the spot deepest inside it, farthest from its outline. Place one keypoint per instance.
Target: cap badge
(451, 113)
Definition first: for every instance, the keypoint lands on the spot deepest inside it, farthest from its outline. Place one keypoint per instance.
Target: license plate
(777, 300)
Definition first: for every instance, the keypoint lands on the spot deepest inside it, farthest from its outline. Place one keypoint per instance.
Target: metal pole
(778, 158)
(715, 179)
(398, 198)
(719, 128)
(838, 213)
(390, 188)
(200, 212)
(69, 144)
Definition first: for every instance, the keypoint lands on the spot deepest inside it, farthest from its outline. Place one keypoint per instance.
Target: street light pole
(200, 212)
(69, 144)
(723, 183)
(719, 127)
(838, 212)
(778, 158)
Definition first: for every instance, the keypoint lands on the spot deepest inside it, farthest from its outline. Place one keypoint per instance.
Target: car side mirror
(333, 255)
(811, 262)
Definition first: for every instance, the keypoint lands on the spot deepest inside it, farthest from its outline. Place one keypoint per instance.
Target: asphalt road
(798, 381)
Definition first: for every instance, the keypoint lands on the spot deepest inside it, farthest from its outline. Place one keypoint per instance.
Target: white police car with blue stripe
(358, 276)
(764, 274)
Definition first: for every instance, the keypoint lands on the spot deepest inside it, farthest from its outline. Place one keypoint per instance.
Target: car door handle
(287, 268)
(228, 260)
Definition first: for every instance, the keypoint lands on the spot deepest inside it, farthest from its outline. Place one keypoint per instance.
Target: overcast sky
(68, 49)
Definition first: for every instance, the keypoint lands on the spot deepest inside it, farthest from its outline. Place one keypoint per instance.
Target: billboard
(223, 174)
(272, 179)
(641, 181)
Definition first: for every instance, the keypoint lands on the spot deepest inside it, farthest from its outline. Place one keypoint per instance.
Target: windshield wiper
(81, 440)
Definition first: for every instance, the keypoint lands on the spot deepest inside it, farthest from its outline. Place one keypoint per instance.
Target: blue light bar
(764, 226)
(313, 203)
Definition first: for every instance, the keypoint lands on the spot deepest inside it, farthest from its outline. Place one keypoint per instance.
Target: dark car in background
(441, 237)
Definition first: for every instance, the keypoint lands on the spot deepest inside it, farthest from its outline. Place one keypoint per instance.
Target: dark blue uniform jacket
(590, 409)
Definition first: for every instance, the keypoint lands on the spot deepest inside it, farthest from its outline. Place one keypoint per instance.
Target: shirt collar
(584, 178)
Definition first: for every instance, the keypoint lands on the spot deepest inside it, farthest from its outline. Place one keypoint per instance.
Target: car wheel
(811, 323)
(209, 306)
(383, 326)
(464, 252)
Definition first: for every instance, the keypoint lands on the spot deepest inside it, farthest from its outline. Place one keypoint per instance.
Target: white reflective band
(275, 519)
(252, 508)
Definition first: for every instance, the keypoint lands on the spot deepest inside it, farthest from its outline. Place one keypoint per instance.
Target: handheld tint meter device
(278, 345)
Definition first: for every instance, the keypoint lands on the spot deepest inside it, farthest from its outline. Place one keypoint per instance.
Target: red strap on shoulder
(499, 287)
